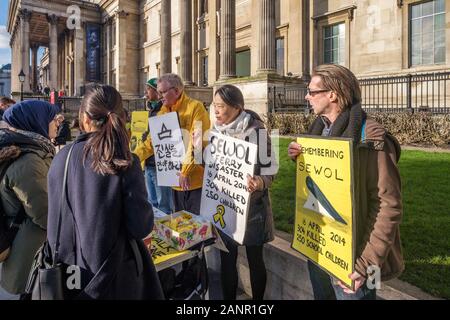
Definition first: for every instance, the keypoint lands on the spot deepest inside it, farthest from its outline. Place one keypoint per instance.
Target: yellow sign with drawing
(324, 219)
(139, 125)
(164, 255)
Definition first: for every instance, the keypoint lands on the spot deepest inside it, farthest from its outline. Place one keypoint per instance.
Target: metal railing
(72, 104)
(429, 92)
(36, 97)
(413, 92)
(287, 99)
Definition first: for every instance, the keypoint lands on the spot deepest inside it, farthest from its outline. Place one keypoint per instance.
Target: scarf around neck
(348, 124)
(23, 138)
(235, 128)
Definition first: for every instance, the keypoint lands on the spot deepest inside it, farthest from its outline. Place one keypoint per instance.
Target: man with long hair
(335, 96)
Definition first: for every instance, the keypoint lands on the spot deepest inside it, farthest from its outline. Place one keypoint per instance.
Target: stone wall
(287, 272)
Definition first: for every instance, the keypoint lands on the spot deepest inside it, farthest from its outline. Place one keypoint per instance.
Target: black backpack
(8, 231)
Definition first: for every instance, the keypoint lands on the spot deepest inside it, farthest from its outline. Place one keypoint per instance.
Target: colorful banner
(168, 148)
(139, 125)
(225, 198)
(93, 52)
(324, 220)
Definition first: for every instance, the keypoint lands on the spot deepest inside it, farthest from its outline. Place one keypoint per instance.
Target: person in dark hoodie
(25, 156)
(335, 96)
(64, 134)
(235, 121)
(108, 213)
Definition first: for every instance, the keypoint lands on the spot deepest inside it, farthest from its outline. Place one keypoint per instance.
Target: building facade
(5, 80)
(255, 44)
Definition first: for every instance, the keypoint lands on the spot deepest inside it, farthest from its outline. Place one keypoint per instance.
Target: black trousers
(229, 273)
(187, 200)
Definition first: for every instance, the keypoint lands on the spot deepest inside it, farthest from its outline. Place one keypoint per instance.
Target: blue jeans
(325, 289)
(159, 197)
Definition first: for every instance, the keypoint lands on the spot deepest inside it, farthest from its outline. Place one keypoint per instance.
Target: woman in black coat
(107, 211)
(233, 120)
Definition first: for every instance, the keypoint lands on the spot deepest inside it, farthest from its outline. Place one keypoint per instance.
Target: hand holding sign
(358, 280)
(294, 150)
(254, 183)
(169, 150)
(185, 182)
(228, 182)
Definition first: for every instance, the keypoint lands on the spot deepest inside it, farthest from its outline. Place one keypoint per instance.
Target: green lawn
(425, 230)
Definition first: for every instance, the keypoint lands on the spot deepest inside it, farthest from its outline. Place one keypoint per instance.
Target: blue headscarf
(31, 115)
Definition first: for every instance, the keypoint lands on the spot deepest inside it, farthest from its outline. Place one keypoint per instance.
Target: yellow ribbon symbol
(218, 217)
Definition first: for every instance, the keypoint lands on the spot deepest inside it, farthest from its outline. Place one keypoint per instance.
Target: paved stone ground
(215, 290)
(387, 292)
(3, 294)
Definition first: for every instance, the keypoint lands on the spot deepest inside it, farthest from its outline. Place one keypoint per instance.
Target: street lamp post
(22, 80)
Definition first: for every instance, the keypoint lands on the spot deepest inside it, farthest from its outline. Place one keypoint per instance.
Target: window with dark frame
(145, 31)
(243, 63)
(203, 7)
(280, 56)
(205, 71)
(427, 33)
(113, 34)
(158, 69)
(160, 22)
(334, 44)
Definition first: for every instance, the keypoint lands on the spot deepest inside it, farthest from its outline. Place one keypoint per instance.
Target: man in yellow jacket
(192, 115)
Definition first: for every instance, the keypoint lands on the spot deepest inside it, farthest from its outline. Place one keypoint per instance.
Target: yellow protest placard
(139, 125)
(324, 217)
(164, 255)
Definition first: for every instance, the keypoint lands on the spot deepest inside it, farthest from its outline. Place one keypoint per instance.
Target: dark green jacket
(25, 183)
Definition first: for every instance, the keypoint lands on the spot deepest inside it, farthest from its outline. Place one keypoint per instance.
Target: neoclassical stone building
(255, 44)
(5, 79)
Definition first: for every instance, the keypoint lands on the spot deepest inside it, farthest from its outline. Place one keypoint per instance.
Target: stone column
(108, 50)
(25, 16)
(79, 57)
(267, 41)
(66, 60)
(122, 70)
(34, 75)
(53, 50)
(166, 37)
(227, 39)
(186, 41)
(306, 23)
(15, 86)
(213, 52)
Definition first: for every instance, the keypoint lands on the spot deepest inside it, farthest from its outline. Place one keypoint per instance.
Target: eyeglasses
(313, 92)
(162, 93)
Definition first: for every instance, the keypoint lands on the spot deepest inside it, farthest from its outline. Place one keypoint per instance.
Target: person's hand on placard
(185, 182)
(196, 137)
(357, 278)
(294, 150)
(254, 183)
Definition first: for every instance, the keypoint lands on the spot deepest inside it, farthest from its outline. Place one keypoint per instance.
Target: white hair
(173, 80)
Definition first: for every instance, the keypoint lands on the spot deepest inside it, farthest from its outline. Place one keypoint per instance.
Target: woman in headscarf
(25, 156)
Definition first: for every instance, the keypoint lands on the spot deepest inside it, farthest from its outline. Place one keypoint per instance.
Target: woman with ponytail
(106, 214)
